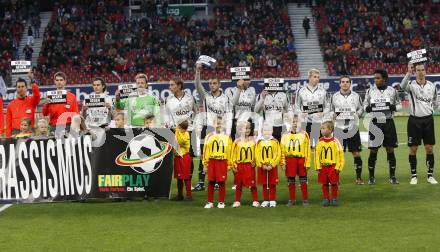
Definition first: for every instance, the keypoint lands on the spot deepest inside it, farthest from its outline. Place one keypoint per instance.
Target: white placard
(128, 90)
(417, 56)
(206, 60)
(241, 73)
(57, 96)
(274, 84)
(20, 66)
(95, 100)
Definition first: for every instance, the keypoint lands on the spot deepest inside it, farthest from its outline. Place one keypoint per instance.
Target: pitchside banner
(49, 170)
(133, 165)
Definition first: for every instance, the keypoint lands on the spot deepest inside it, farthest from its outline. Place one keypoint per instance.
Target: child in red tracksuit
(295, 160)
(182, 162)
(216, 162)
(243, 163)
(267, 156)
(329, 162)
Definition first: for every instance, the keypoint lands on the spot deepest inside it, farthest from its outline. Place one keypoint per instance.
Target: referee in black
(423, 98)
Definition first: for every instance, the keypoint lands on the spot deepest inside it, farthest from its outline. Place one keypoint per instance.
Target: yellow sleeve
(258, 160)
(307, 152)
(229, 153)
(183, 141)
(283, 151)
(340, 161)
(277, 158)
(187, 142)
(317, 152)
(206, 150)
(234, 154)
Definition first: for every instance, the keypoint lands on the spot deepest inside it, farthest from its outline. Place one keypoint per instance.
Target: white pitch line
(3, 208)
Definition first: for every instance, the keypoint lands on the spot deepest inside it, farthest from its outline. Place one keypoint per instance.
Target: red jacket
(54, 111)
(2, 122)
(21, 108)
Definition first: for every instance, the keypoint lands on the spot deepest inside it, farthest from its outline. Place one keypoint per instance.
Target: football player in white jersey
(242, 98)
(99, 116)
(381, 101)
(180, 106)
(423, 99)
(275, 107)
(311, 103)
(346, 106)
(216, 103)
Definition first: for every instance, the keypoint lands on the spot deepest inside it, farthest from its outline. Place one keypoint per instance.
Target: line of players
(313, 106)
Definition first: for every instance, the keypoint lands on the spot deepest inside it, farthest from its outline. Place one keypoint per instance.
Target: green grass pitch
(369, 218)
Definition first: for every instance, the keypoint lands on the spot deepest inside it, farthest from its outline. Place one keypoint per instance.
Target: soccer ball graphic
(143, 147)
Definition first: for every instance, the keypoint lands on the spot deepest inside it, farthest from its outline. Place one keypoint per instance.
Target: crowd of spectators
(95, 38)
(89, 38)
(358, 36)
(13, 18)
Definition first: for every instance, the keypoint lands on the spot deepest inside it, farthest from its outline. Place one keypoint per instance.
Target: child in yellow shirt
(295, 160)
(329, 162)
(243, 162)
(182, 162)
(267, 157)
(217, 161)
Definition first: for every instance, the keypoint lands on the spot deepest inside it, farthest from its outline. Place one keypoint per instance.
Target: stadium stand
(358, 36)
(93, 38)
(13, 18)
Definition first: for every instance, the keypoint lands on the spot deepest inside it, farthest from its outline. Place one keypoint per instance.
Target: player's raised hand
(30, 75)
(199, 67)
(47, 101)
(264, 93)
(410, 68)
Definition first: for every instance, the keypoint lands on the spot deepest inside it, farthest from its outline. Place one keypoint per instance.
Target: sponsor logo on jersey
(324, 151)
(217, 145)
(246, 152)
